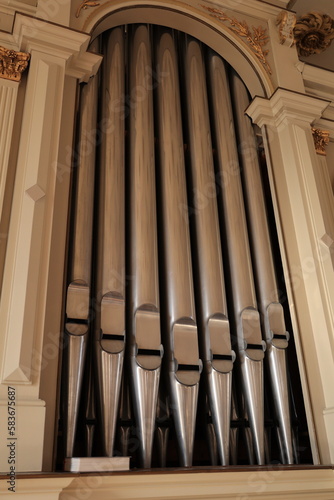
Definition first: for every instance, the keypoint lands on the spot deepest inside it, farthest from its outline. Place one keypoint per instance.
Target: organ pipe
(181, 342)
(274, 330)
(110, 266)
(246, 316)
(214, 327)
(77, 321)
(144, 321)
(171, 265)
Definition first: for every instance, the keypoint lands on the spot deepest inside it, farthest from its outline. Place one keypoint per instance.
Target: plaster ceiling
(301, 7)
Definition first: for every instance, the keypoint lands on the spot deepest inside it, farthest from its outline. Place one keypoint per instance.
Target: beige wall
(31, 300)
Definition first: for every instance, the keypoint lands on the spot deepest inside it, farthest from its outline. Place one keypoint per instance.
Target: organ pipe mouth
(112, 332)
(187, 365)
(147, 349)
(75, 328)
(78, 300)
(275, 330)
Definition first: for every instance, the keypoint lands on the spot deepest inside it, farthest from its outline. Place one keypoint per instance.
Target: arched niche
(196, 22)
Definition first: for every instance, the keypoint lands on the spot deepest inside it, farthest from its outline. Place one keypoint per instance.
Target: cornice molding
(18, 6)
(317, 81)
(35, 34)
(285, 105)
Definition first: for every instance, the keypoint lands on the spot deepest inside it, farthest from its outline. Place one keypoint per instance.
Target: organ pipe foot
(145, 384)
(234, 441)
(234, 431)
(110, 366)
(89, 436)
(277, 342)
(124, 433)
(184, 406)
(252, 376)
(162, 435)
(162, 425)
(212, 440)
(76, 338)
(249, 445)
(124, 439)
(277, 363)
(220, 391)
(90, 417)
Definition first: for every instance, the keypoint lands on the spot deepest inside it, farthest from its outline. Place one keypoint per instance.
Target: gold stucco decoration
(286, 22)
(321, 139)
(84, 5)
(256, 39)
(313, 33)
(12, 64)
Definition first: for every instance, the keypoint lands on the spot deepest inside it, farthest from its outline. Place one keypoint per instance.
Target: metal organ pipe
(181, 343)
(77, 321)
(272, 313)
(110, 272)
(144, 316)
(154, 192)
(214, 329)
(246, 316)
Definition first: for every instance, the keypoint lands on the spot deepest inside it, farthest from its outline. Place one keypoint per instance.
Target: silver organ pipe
(110, 267)
(214, 328)
(173, 289)
(77, 321)
(246, 316)
(272, 313)
(181, 343)
(144, 323)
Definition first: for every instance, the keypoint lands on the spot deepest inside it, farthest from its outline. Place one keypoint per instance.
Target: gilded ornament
(12, 64)
(256, 39)
(313, 33)
(84, 5)
(321, 139)
(286, 22)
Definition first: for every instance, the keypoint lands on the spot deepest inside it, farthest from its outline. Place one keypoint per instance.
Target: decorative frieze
(257, 38)
(286, 22)
(321, 139)
(313, 33)
(12, 64)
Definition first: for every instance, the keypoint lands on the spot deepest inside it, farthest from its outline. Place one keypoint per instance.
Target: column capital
(321, 140)
(286, 106)
(12, 63)
(32, 34)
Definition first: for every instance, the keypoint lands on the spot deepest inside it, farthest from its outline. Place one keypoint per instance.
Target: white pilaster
(305, 211)
(56, 52)
(8, 95)
(8, 99)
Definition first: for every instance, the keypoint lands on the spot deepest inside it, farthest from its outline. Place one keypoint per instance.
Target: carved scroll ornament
(286, 22)
(12, 64)
(321, 139)
(313, 33)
